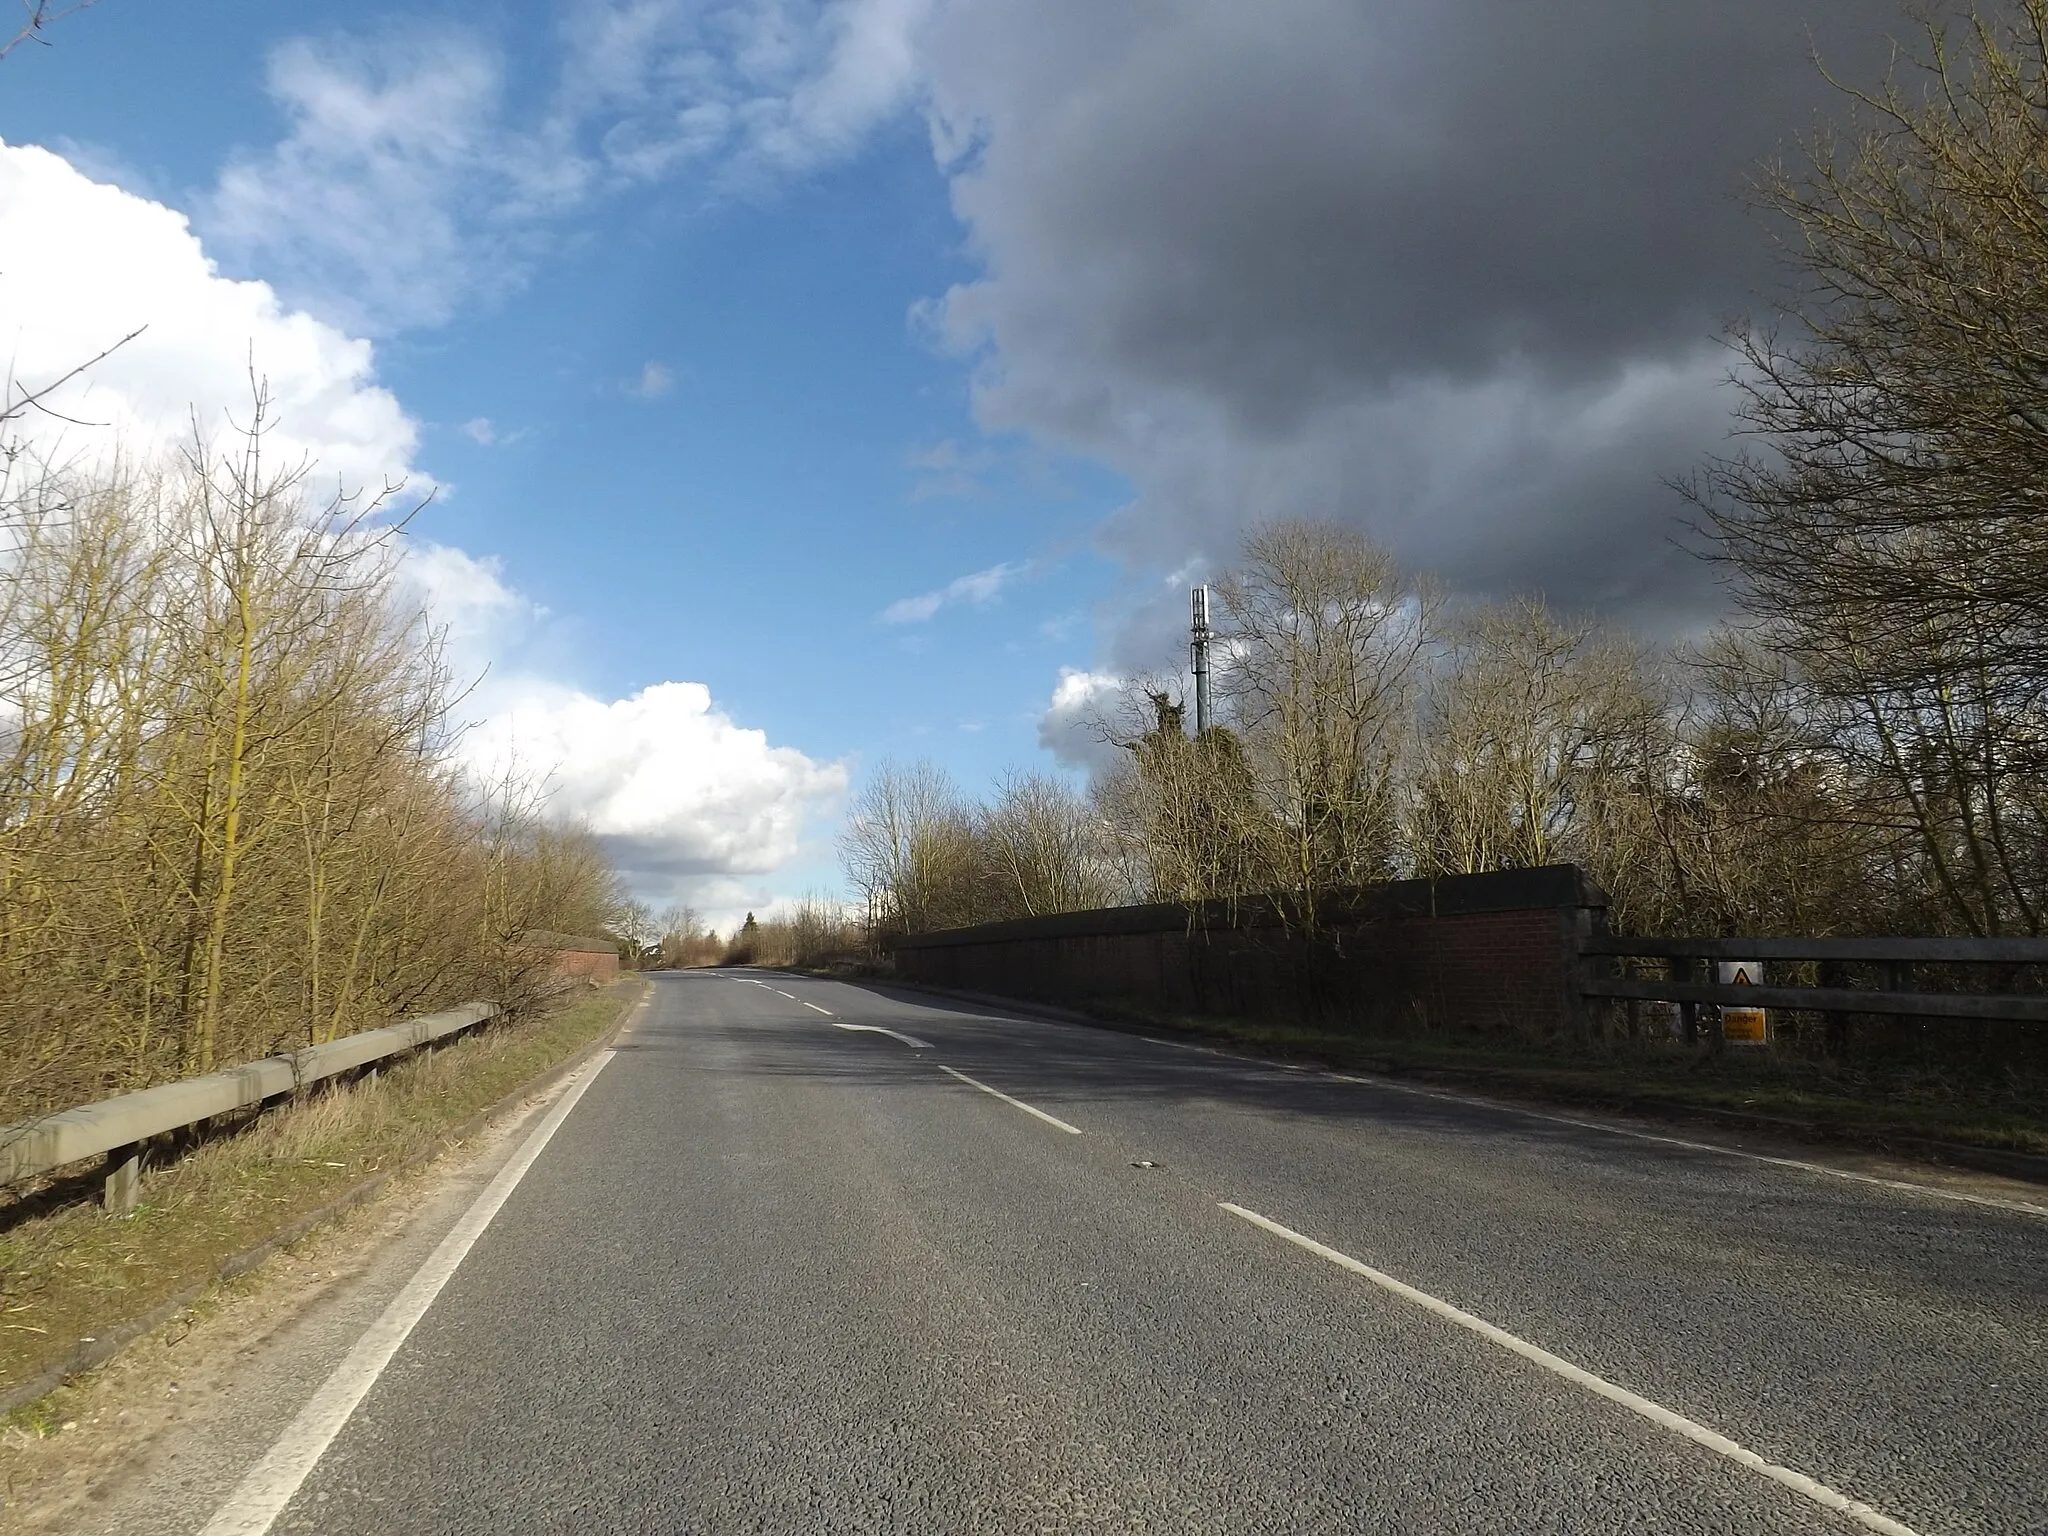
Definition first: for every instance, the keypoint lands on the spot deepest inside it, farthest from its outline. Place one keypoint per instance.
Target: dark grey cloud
(1451, 269)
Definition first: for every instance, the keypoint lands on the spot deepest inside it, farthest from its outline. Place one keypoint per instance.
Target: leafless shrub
(229, 821)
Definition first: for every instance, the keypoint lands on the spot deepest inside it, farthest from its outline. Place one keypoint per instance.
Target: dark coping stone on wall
(567, 943)
(1549, 886)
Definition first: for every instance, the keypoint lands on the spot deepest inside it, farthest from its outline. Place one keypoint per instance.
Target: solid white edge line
(1995, 1202)
(1699, 1434)
(263, 1493)
(1052, 1120)
(1907, 1186)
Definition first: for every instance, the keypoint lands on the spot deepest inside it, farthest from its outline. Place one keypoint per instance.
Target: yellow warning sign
(1743, 1026)
(1746, 1026)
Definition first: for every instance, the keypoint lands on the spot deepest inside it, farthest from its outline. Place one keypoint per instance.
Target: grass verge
(73, 1274)
(1911, 1110)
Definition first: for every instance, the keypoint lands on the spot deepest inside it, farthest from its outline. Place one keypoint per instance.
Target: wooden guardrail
(119, 1127)
(1898, 955)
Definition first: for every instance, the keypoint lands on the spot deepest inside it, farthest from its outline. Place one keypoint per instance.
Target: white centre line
(261, 1496)
(867, 1029)
(875, 1029)
(1052, 1120)
(1699, 1434)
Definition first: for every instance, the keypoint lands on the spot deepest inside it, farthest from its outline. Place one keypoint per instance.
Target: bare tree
(1323, 643)
(1536, 731)
(1889, 541)
(1754, 825)
(1184, 815)
(814, 931)
(635, 924)
(908, 848)
(1044, 848)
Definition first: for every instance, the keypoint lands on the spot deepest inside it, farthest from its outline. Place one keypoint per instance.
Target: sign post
(1741, 1025)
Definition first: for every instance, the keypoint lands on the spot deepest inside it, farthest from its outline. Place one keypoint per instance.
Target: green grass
(74, 1272)
(1868, 1105)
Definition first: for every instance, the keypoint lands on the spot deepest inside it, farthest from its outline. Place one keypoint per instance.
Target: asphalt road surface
(794, 1262)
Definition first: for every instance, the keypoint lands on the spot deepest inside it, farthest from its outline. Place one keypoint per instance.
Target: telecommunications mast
(1198, 654)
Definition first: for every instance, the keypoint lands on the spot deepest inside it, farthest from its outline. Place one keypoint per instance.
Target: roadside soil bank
(77, 1283)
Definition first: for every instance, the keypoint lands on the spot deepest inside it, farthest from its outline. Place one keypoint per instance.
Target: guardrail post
(1679, 968)
(124, 1179)
(1581, 924)
(1833, 975)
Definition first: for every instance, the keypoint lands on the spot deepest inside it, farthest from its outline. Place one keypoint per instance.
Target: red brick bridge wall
(1495, 952)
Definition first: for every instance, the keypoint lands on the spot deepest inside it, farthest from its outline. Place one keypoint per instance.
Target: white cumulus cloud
(682, 796)
(1069, 728)
(83, 264)
(482, 617)
(691, 803)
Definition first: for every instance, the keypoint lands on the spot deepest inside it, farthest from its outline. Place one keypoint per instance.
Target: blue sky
(809, 382)
(702, 427)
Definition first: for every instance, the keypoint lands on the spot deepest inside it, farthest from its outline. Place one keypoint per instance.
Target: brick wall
(588, 965)
(571, 957)
(1481, 952)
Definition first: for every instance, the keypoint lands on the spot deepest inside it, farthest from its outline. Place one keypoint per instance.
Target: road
(813, 1257)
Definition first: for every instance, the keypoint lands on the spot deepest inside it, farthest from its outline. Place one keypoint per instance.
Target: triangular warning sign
(1740, 978)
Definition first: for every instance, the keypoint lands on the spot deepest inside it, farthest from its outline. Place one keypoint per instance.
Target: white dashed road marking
(1698, 1433)
(875, 1029)
(1052, 1120)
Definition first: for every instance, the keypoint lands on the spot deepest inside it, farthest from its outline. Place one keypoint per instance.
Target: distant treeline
(809, 931)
